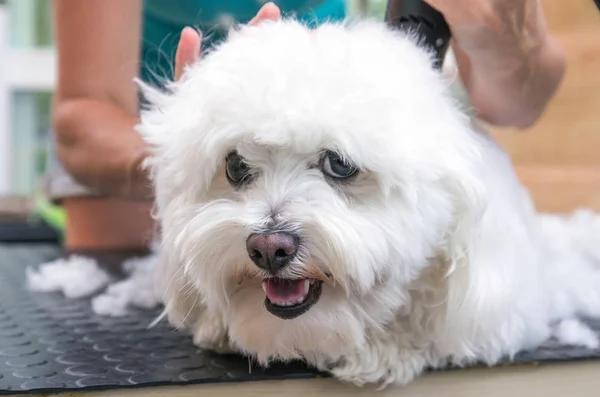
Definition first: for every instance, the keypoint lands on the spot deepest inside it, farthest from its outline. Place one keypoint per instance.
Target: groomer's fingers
(267, 12)
(480, 12)
(460, 11)
(188, 50)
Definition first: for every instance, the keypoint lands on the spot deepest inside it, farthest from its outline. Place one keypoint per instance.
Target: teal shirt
(163, 21)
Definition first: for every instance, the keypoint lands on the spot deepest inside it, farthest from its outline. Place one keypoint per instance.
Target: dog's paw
(208, 331)
(211, 334)
(380, 366)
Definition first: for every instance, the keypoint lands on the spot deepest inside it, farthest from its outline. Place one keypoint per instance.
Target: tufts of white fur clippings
(75, 277)
(431, 253)
(138, 290)
(81, 277)
(573, 332)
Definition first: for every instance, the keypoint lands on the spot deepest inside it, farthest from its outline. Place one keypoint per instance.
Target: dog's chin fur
(431, 255)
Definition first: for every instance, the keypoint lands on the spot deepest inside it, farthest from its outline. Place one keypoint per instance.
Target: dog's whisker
(171, 279)
(192, 307)
(188, 290)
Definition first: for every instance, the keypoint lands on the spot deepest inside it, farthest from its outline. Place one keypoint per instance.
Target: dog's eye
(336, 167)
(236, 168)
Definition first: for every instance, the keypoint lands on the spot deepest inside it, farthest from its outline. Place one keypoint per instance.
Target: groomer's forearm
(513, 90)
(99, 147)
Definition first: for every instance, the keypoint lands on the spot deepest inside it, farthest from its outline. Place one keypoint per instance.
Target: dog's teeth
(305, 288)
(312, 281)
(292, 303)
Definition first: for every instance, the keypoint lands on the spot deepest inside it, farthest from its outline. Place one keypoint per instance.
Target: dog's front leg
(382, 361)
(185, 311)
(211, 334)
(208, 331)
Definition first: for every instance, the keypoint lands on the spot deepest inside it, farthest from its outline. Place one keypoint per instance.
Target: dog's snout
(272, 251)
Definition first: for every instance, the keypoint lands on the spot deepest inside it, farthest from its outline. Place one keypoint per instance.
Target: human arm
(510, 65)
(96, 103)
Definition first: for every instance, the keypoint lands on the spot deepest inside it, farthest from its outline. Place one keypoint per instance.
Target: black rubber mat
(49, 344)
(32, 230)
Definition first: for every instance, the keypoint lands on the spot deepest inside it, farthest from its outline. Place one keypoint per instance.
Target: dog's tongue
(285, 292)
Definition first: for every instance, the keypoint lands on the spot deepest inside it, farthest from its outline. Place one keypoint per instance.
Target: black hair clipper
(420, 18)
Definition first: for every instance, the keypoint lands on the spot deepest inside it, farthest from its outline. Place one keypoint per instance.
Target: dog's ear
(483, 250)
(178, 138)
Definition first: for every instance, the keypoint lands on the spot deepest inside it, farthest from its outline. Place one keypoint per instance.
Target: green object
(51, 213)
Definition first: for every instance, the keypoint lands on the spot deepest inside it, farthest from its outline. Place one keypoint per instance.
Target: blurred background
(26, 82)
(558, 158)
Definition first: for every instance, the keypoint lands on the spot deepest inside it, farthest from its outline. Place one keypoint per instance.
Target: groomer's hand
(510, 64)
(189, 47)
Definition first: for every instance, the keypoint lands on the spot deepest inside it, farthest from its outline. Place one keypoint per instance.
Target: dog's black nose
(273, 251)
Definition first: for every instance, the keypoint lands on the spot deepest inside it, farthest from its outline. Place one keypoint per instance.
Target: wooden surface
(558, 159)
(556, 380)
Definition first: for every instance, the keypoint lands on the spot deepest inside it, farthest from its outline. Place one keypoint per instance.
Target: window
(26, 88)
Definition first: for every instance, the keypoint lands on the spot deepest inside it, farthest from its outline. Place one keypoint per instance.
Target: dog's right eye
(336, 167)
(236, 169)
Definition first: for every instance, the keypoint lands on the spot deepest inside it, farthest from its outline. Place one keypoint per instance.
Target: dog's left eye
(236, 168)
(336, 167)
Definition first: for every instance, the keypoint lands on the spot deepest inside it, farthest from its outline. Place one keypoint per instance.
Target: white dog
(322, 196)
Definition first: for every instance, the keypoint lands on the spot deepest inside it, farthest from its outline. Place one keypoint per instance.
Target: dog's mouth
(288, 299)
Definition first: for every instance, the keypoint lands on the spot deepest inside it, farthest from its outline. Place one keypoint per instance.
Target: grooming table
(50, 345)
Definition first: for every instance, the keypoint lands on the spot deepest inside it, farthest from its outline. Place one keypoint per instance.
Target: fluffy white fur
(79, 277)
(435, 249)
